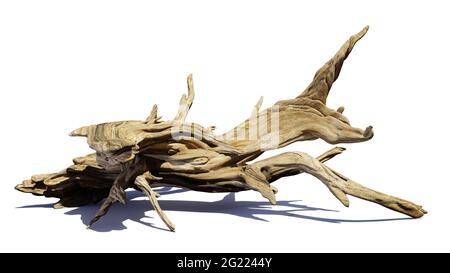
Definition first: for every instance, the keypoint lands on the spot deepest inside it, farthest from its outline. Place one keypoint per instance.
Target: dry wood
(151, 153)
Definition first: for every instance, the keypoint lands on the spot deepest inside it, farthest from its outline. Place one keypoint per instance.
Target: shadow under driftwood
(135, 210)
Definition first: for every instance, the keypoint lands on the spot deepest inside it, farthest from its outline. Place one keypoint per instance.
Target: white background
(64, 64)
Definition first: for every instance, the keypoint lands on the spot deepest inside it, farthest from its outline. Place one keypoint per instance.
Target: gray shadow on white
(135, 210)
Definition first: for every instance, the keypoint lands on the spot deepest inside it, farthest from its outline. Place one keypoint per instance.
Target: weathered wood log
(151, 153)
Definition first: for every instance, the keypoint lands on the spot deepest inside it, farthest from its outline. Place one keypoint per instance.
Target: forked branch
(143, 184)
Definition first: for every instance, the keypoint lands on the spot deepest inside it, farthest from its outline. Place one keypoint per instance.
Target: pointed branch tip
(258, 104)
(361, 34)
(329, 72)
(190, 83)
(186, 101)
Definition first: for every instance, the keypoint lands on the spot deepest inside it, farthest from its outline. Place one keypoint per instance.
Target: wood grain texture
(151, 153)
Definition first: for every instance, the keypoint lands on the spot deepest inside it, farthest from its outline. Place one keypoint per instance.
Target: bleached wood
(150, 153)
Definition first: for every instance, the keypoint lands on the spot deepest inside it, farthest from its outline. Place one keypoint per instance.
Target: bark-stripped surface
(151, 153)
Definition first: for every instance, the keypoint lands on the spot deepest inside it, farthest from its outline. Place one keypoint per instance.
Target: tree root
(150, 153)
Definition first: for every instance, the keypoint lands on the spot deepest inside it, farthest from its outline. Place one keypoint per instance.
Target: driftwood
(151, 153)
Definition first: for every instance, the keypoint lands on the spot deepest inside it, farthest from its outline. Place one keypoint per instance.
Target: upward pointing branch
(328, 74)
(186, 101)
(153, 117)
